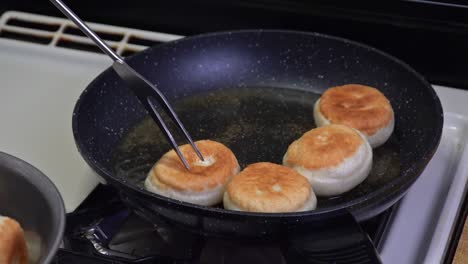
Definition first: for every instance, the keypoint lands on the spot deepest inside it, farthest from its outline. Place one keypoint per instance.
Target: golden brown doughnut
(334, 158)
(358, 106)
(204, 183)
(268, 187)
(13, 249)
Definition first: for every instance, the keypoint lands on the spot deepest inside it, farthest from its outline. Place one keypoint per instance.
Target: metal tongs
(146, 92)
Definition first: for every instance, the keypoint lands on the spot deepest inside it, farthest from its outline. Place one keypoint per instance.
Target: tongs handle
(142, 88)
(93, 36)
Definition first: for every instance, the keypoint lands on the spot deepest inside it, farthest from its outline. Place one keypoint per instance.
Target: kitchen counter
(461, 255)
(460, 238)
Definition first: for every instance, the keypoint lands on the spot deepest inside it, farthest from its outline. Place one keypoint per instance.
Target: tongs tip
(184, 161)
(197, 151)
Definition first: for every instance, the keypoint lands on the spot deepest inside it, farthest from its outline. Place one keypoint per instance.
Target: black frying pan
(254, 91)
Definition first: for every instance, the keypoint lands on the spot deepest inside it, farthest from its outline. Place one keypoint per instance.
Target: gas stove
(46, 63)
(103, 226)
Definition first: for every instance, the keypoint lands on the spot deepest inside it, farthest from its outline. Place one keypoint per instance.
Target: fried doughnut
(205, 182)
(268, 187)
(334, 158)
(358, 106)
(13, 249)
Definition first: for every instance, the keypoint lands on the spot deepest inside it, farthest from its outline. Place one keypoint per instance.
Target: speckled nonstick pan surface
(254, 91)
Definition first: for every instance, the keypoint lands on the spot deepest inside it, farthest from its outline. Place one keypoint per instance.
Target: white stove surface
(39, 88)
(423, 222)
(41, 83)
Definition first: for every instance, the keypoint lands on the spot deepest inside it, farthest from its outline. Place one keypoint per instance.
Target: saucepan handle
(337, 240)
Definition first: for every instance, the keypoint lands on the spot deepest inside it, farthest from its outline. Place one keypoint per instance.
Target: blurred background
(431, 36)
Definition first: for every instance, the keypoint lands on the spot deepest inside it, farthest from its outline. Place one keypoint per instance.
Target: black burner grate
(130, 239)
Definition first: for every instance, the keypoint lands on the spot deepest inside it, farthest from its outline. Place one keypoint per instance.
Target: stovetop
(103, 230)
(419, 229)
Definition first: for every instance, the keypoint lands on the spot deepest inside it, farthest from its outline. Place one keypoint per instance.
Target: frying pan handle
(338, 240)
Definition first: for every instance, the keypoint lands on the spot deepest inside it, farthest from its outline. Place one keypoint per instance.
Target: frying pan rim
(405, 179)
